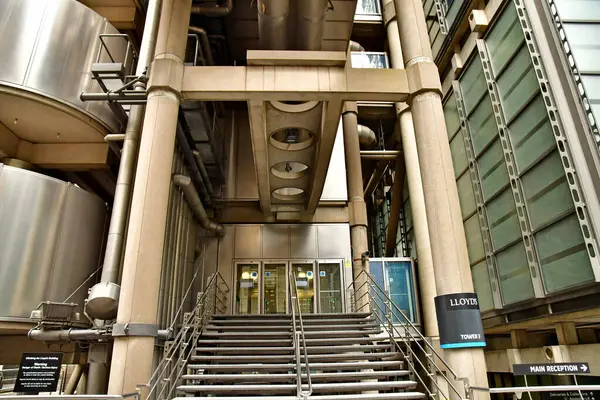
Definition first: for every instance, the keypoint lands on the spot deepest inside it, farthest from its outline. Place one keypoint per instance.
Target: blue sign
(268, 274)
(309, 274)
(322, 273)
(254, 274)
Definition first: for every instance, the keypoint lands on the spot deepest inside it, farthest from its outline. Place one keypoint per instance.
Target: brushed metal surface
(49, 242)
(248, 241)
(303, 241)
(48, 47)
(333, 240)
(275, 241)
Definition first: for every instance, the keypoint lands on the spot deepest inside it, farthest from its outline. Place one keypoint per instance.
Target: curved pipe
(355, 46)
(217, 11)
(366, 136)
(185, 183)
(206, 48)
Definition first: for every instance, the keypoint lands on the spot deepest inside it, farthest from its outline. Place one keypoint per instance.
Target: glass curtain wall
(510, 177)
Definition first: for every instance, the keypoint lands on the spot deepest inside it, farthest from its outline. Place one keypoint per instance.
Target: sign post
(459, 321)
(38, 372)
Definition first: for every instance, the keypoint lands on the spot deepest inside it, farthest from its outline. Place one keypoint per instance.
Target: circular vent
(291, 139)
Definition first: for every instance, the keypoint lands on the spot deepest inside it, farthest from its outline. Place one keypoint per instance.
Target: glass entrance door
(330, 287)
(275, 288)
(304, 275)
(247, 288)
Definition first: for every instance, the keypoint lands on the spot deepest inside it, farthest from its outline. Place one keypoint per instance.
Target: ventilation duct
(366, 137)
(310, 25)
(214, 11)
(273, 24)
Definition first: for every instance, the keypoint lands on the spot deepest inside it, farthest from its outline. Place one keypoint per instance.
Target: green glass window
(473, 84)
(483, 288)
(504, 39)
(474, 240)
(451, 117)
(563, 255)
(546, 191)
(466, 196)
(513, 273)
(502, 219)
(459, 155)
(492, 170)
(483, 125)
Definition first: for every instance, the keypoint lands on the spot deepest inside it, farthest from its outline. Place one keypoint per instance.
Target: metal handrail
(167, 374)
(410, 330)
(295, 302)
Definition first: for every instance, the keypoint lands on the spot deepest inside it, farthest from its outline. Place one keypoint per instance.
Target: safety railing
(167, 375)
(298, 336)
(130, 56)
(420, 356)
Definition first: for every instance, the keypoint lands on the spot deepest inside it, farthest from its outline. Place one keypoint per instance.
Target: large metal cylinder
(48, 48)
(51, 233)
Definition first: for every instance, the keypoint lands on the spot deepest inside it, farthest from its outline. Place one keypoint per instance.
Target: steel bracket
(135, 329)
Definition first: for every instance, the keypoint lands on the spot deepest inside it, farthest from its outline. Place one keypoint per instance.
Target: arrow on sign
(583, 367)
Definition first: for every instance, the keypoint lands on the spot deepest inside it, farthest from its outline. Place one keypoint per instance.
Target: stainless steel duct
(366, 137)
(189, 158)
(203, 172)
(355, 46)
(273, 24)
(214, 11)
(103, 299)
(204, 42)
(196, 205)
(310, 24)
(185, 183)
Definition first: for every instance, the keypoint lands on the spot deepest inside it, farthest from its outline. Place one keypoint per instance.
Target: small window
(368, 10)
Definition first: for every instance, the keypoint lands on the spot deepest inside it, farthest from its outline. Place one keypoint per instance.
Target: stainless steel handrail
(163, 380)
(410, 330)
(295, 302)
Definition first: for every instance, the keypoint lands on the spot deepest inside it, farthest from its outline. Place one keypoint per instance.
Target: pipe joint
(185, 184)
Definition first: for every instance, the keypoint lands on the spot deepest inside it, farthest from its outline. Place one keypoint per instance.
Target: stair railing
(367, 294)
(298, 336)
(177, 352)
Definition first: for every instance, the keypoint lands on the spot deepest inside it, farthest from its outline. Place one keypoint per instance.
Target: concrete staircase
(248, 357)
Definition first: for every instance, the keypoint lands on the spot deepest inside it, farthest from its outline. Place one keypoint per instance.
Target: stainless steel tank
(47, 48)
(51, 234)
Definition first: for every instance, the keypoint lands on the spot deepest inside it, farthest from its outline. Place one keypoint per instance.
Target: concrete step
(288, 321)
(291, 388)
(288, 327)
(375, 396)
(316, 366)
(277, 358)
(285, 341)
(291, 377)
(305, 317)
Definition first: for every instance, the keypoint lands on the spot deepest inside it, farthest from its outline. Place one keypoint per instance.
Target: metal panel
(303, 239)
(335, 180)
(49, 242)
(276, 241)
(247, 243)
(48, 47)
(226, 248)
(333, 241)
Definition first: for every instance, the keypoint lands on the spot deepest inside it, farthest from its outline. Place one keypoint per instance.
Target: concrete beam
(296, 58)
(249, 212)
(294, 84)
(330, 119)
(566, 333)
(503, 360)
(547, 322)
(125, 18)
(258, 133)
(73, 156)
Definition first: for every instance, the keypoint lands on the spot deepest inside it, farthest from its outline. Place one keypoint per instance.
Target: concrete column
(356, 202)
(446, 231)
(132, 355)
(406, 135)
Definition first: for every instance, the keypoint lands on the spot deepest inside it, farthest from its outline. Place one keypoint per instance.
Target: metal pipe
(125, 97)
(214, 11)
(103, 300)
(376, 177)
(310, 24)
(207, 50)
(396, 206)
(185, 183)
(366, 136)
(114, 137)
(203, 172)
(188, 156)
(273, 24)
(394, 153)
(355, 46)
(66, 335)
(231, 161)
(74, 379)
(166, 253)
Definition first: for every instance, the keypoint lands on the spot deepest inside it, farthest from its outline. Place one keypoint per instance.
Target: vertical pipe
(451, 267)
(396, 206)
(356, 202)
(74, 379)
(138, 302)
(406, 134)
(119, 215)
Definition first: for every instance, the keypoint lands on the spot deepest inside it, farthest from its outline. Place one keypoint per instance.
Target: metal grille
(440, 10)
